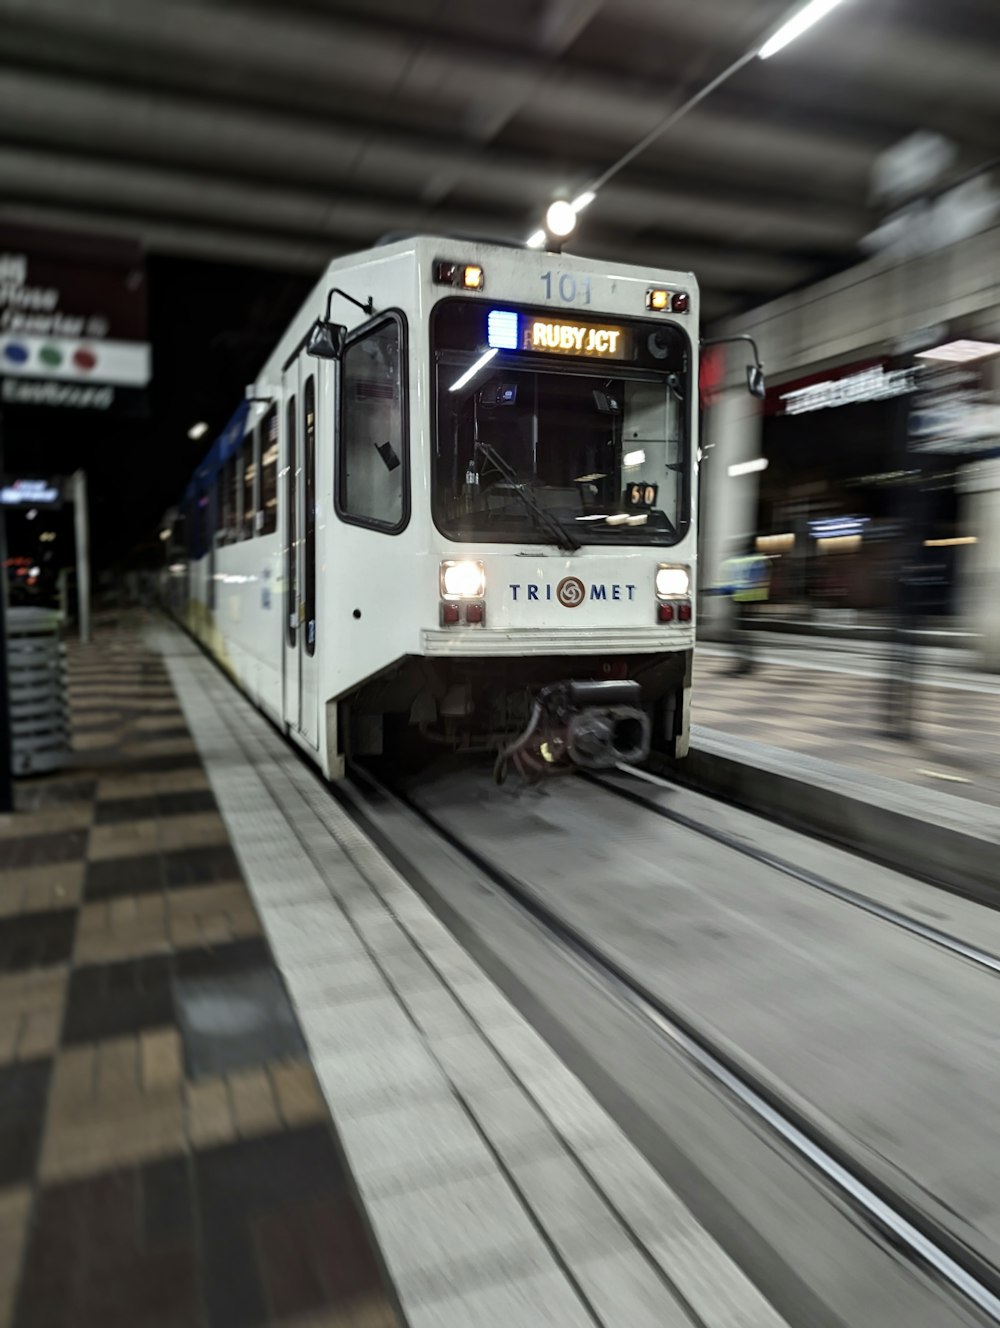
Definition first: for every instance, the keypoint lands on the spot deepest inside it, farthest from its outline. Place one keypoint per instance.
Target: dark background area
(245, 143)
(212, 325)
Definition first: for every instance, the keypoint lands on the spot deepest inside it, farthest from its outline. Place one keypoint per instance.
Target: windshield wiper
(543, 519)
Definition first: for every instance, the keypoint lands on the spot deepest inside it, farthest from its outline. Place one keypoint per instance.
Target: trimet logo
(571, 592)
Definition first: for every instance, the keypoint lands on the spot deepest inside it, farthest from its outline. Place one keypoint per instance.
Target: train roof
(389, 246)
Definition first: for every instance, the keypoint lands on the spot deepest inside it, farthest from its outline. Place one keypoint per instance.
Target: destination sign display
(601, 341)
(509, 330)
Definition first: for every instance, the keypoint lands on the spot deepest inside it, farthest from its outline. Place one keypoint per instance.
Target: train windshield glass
(556, 429)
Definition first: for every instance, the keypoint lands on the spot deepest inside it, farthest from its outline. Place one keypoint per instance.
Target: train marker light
(470, 276)
(463, 579)
(501, 329)
(449, 614)
(475, 613)
(672, 582)
(684, 613)
(680, 302)
(665, 613)
(658, 300)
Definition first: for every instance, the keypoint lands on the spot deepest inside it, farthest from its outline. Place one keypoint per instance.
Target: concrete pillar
(979, 572)
(733, 433)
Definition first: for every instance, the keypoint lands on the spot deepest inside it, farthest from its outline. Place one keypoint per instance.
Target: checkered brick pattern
(166, 1157)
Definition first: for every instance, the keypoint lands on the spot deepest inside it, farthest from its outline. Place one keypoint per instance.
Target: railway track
(884, 912)
(915, 1236)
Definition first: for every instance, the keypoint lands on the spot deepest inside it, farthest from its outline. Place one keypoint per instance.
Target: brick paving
(838, 716)
(166, 1156)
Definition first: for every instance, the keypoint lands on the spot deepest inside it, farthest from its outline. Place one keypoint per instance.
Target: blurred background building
(239, 147)
(877, 442)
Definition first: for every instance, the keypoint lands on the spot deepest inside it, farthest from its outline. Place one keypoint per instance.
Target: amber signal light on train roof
(666, 302)
(470, 276)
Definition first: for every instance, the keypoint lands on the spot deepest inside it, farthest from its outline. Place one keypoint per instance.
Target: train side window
(211, 527)
(248, 469)
(291, 534)
(229, 501)
(309, 551)
(267, 517)
(372, 471)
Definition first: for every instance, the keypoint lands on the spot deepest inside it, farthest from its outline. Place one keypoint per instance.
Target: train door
(298, 498)
(308, 672)
(288, 504)
(209, 527)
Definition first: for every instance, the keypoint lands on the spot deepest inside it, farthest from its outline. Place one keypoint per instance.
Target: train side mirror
(326, 340)
(755, 381)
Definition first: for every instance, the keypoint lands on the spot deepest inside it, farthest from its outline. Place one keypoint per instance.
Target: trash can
(39, 693)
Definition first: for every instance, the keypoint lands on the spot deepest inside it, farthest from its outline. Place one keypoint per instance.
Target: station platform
(166, 1155)
(248, 1077)
(827, 700)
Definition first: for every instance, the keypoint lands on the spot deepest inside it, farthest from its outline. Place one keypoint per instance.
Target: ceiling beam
(219, 243)
(870, 43)
(340, 219)
(247, 50)
(144, 127)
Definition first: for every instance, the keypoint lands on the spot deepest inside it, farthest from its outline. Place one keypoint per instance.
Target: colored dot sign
(84, 358)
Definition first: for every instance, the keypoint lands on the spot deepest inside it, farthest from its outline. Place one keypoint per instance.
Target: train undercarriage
(537, 716)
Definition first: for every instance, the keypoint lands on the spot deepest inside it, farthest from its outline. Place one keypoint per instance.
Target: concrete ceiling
(281, 132)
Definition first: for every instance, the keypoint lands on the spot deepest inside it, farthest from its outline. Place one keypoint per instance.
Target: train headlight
(672, 582)
(463, 580)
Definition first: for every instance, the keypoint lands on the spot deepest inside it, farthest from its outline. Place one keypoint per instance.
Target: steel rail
(912, 1233)
(884, 912)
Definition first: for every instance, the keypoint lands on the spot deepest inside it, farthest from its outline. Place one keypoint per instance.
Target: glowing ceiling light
(960, 352)
(584, 200)
(560, 219)
(800, 22)
(197, 431)
(748, 467)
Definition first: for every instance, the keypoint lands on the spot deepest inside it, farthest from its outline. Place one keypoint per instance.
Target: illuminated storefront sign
(868, 385)
(30, 493)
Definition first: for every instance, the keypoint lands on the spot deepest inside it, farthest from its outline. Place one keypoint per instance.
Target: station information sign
(72, 322)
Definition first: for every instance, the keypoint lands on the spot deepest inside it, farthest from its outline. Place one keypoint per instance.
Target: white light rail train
(458, 505)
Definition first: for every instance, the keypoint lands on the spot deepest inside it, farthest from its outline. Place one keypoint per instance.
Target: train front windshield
(553, 428)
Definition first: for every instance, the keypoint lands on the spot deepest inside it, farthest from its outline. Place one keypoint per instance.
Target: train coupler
(579, 725)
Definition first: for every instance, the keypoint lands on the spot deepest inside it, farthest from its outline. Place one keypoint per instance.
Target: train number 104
(567, 287)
